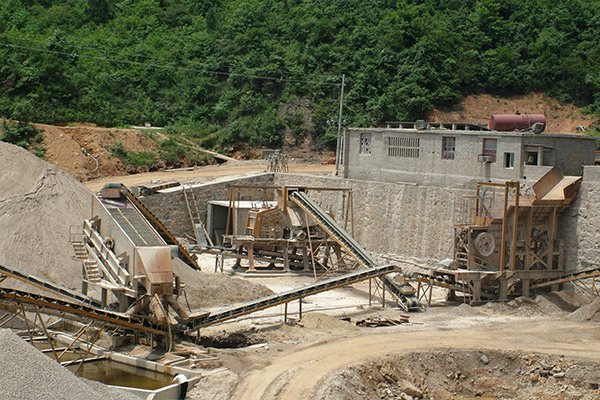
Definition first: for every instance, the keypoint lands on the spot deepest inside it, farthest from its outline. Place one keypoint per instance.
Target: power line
(138, 55)
(155, 65)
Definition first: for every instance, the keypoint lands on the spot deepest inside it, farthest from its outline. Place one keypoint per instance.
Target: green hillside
(248, 71)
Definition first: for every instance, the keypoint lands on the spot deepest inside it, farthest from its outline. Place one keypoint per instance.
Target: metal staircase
(92, 272)
(81, 253)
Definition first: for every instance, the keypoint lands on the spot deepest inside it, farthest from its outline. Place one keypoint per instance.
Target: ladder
(200, 233)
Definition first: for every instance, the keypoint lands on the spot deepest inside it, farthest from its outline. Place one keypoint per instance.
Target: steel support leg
(503, 290)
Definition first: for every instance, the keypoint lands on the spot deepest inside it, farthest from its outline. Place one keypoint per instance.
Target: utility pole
(340, 145)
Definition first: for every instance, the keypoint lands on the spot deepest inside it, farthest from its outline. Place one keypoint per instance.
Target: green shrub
(133, 158)
(19, 133)
(171, 152)
(39, 152)
(295, 122)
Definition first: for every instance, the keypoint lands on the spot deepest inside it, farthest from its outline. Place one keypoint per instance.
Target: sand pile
(38, 203)
(320, 321)
(205, 289)
(29, 374)
(465, 310)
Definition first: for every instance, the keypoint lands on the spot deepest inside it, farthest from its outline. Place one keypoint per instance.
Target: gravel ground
(26, 373)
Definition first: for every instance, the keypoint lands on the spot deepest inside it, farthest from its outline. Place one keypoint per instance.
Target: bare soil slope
(477, 109)
(65, 148)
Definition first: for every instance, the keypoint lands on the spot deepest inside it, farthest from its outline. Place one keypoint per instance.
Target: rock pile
(465, 374)
(589, 312)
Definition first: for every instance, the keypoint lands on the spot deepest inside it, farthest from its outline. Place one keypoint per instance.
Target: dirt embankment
(477, 109)
(85, 151)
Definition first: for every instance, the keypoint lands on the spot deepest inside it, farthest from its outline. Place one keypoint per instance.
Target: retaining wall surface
(170, 206)
(394, 218)
(409, 220)
(579, 225)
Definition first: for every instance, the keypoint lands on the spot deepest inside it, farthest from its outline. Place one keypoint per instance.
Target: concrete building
(459, 155)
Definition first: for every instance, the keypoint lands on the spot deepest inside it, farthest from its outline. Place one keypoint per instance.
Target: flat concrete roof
(471, 133)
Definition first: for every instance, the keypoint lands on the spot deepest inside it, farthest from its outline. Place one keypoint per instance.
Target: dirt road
(297, 375)
(212, 171)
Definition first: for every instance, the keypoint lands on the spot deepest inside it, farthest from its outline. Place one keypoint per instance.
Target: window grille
(365, 143)
(401, 146)
(448, 147)
(489, 148)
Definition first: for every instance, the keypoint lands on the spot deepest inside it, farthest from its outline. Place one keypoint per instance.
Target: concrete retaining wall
(579, 225)
(170, 206)
(403, 219)
(395, 218)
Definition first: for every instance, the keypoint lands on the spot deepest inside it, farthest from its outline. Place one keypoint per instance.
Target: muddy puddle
(118, 374)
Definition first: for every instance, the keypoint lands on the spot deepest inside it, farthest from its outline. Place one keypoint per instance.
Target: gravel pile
(26, 373)
(215, 290)
(38, 203)
(589, 312)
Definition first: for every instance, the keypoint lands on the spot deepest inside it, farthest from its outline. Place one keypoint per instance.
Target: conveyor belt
(280, 298)
(160, 227)
(338, 233)
(348, 243)
(47, 285)
(574, 276)
(135, 226)
(443, 281)
(79, 311)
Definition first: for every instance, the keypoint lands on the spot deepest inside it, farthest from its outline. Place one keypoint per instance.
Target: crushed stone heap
(38, 203)
(29, 374)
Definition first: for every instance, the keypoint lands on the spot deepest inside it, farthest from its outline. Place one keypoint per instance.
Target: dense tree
(224, 69)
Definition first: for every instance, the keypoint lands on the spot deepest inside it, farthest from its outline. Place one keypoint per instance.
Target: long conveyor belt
(47, 285)
(284, 297)
(160, 227)
(573, 276)
(78, 311)
(443, 281)
(348, 243)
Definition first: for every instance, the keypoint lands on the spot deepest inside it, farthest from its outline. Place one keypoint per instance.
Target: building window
(509, 160)
(489, 148)
(365, 143)
(399, 146)
(448, 147)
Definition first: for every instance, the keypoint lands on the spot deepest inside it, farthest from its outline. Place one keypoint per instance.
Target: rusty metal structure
(289, 231)
(282, 235)
(504, 240)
